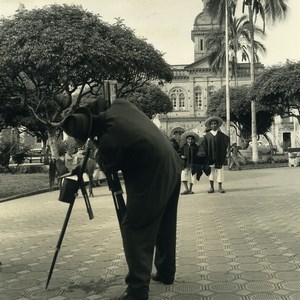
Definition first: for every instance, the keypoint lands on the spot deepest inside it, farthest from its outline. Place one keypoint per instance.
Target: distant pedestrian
(47, 155)
(188, 152)
(175, 144)
(215, 145)
(235, 155)
(52, 173)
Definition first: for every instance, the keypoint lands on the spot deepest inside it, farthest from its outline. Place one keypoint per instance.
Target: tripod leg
(116, 190)
(62, 233)
(86, 199)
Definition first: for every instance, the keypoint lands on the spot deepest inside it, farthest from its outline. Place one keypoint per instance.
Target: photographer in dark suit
(130, 142)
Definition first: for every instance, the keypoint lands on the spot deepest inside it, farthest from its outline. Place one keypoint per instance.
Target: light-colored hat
(217, 119)
(186, 134)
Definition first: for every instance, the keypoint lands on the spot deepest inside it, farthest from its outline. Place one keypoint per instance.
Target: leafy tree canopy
(13, 112)
(240, 110)
(278, 87)
(151, 100)
(58, 51)
(55, 55)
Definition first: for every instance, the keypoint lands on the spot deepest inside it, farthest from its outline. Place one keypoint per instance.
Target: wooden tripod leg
(61, 237)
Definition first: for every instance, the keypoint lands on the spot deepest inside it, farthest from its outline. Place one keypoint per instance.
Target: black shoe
(126, 296)
(185, 193)
(131, 295)
(164, 280)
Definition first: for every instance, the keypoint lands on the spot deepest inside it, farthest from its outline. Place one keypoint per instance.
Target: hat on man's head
(209, 120)
(78, 125)
(186, 134)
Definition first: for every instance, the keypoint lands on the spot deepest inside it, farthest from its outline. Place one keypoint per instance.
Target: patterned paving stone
(257, 276)
(250, 267)
(219, 267)
(291, 285)
(283, 266)
(221, 276)
(224, 287)
(260, 286)
(183, 297)
(288, 275)
(247, 259)
(188, 288)
(276, 258)
(265, 297)
(295, 296)
(217, 260)
(225, 297)
(230, 246)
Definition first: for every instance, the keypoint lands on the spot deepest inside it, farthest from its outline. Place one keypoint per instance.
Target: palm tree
(270, 11)
(239, 42)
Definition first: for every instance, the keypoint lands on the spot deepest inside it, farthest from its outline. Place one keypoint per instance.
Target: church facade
(193, 85)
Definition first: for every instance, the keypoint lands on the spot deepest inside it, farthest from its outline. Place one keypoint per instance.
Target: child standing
(188, 152)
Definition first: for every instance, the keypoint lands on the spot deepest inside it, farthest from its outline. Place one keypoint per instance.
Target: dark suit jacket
(151, 168)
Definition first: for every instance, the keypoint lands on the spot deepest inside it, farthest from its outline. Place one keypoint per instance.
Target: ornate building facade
(194, 83)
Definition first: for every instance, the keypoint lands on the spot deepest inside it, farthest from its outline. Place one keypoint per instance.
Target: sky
(167, 25)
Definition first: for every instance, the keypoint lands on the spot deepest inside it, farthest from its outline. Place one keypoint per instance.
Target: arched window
(198, 98)
(177, 97)
(173, 100)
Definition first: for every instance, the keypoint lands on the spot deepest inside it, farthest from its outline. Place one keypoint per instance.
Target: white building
(194, 83)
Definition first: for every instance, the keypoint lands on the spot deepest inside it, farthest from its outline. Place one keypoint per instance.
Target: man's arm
(109, 155)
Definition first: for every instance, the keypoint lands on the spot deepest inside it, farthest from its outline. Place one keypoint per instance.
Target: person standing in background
(215, 145)
(188, 152)
(235, 154)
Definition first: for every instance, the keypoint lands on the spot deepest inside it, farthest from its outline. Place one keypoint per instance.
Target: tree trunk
(252, 77)
(53, 142)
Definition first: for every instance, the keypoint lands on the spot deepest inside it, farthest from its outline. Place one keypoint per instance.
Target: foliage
(5, 152)
(55, 55)
(13, 112)
(269, 10)
(10, 146)
(278, 87)
(52, 53)
(239, 42)
(151, 100)
(62, 147)
(240, 110)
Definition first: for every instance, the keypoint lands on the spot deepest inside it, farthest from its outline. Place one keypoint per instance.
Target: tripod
(114, 185)
(70, 195)
(71, 187)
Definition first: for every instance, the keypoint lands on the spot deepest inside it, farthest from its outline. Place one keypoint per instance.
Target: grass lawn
(16, 184)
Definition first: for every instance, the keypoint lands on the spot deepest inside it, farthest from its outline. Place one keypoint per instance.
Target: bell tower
(203, 25)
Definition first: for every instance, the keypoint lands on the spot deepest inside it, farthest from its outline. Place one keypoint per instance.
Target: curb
(28, 194)
(56, 188)
(260, 166)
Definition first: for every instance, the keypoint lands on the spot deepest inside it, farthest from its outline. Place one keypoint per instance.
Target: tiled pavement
(244, 244)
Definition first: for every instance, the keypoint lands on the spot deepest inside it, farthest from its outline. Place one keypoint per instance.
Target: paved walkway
(244, 244)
